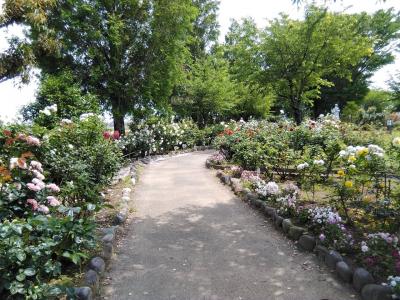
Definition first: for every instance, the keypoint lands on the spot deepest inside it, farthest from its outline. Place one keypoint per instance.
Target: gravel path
(191, 238)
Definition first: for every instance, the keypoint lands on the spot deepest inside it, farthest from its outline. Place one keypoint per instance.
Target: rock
(361, 277)
(108, 230)
(286, 224)
(226, 179)
(269, 211)
(252, 198)
(219, 174)
(236, 185)
(146, 161)
(307, 242)
(108, 238)
(235, 180)
(92, 279)
(258, 203)
(262, 206)
(107, 251)
(120, 218)
(321, 252)
(332, 258)
(344, 271)
(97, 264)
(208, 163)
(295, 232)
(278, 221)
(83, 293)
(376, 292)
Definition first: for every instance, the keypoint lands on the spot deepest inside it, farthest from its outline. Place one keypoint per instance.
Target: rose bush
(49, 188)
(354, 187)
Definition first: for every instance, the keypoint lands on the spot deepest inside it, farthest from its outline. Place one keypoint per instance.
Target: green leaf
(21, 256)
(29, 272)
(20, 277)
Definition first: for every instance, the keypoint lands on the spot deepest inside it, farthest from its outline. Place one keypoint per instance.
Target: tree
(63, 91)
(128, 53)
(381, 100)
(208, 93)
(241, 50)
(394, 85)
(205, 29)
(298, 56)
(19, 57)
(382, 29)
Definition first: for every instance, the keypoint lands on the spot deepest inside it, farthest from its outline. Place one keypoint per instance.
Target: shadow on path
(216, 249)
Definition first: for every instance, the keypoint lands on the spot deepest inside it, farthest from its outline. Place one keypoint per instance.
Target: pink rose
(53, 201)
(34, 141)
(35, 165)
(53, 187)
(33, 187)
(33, 203)
(43, 209)
(38, 183)
(38, 175)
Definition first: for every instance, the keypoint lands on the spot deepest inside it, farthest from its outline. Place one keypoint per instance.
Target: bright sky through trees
(12, 97)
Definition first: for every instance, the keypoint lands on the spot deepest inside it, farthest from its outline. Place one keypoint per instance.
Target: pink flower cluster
(38, 207)
(324, 215)
(387, 237)
(37, 185)
(37, 170)
(250, 176)
(53, 187)
(30, 140)
(217, 158)
(236, 170)
(111, 135)
(53, 201)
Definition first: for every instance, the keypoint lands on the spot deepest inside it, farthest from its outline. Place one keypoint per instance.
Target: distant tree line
(141, 57)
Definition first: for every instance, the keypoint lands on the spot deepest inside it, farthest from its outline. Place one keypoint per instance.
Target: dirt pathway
(193, 239)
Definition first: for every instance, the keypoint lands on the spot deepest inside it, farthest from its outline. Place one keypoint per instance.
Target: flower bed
(50, 182)
(339, 197)
(160, 136)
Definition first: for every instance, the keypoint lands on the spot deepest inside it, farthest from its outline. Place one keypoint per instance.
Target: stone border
(107, 236)
(361, 280)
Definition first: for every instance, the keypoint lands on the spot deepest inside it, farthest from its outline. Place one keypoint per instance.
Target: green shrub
(80, 159)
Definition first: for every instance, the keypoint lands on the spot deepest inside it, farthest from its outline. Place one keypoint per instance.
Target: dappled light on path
(193, 239)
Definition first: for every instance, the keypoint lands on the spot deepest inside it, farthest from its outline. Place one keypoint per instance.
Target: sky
(13, 96)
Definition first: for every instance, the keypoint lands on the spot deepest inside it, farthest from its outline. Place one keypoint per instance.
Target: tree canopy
(136, 56)
(128, 53)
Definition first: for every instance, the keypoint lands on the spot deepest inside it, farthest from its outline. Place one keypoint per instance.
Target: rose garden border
(361, 280)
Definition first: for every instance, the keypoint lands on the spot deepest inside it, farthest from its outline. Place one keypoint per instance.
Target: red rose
(116, 135)
(7, 132)
(106, 135)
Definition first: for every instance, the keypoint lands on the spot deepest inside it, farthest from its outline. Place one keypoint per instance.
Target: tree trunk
(297, 112)
(119, 124)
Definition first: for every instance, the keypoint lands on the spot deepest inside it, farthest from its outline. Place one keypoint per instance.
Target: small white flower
(302, 166)
(319, 162)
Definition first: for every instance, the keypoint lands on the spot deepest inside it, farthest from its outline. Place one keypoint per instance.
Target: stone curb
(97, 265)
(362, 281)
